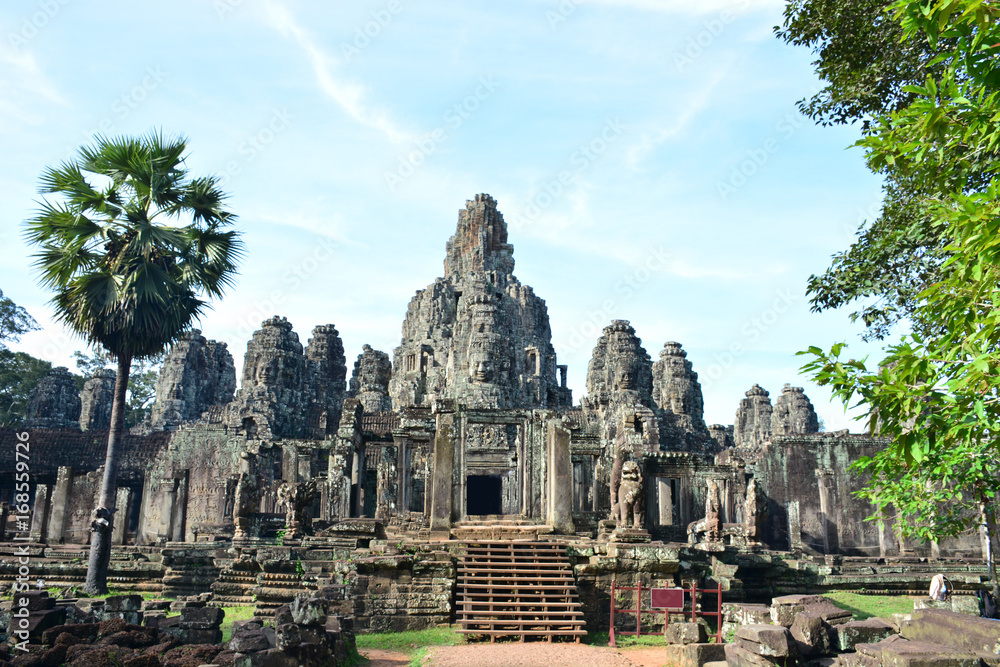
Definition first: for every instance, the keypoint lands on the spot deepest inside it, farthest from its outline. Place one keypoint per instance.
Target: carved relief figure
(707, 530)
(297, 497)
(752, 512)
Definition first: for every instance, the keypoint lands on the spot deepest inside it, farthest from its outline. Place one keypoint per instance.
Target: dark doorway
(482, 493)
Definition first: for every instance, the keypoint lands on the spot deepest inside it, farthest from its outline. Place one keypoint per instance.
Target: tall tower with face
(477, 335)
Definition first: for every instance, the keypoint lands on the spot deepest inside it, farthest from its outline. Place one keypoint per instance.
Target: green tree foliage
(14, 321)
(937, 393)
(130, 245)
(869, 64)
(19, 373)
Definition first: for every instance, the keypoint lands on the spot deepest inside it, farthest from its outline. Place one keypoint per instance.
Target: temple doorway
(483, 495)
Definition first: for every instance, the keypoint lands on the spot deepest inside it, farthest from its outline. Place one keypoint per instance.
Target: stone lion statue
(630, 505)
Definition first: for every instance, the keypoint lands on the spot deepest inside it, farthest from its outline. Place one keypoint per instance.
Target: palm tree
(130, 248)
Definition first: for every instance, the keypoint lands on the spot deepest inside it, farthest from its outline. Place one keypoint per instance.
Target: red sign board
(667, 598)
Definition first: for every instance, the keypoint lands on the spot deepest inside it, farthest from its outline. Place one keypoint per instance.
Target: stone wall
(812, 507)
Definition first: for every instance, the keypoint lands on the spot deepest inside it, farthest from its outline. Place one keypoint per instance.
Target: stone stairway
(518, 589)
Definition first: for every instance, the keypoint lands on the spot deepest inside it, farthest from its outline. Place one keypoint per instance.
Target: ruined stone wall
(404, 592)
(188, 483)
(80, 503)
(812, 506)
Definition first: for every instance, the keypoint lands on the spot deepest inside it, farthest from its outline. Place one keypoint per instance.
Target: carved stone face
(482, 370)
(624, 378)
(630, 471)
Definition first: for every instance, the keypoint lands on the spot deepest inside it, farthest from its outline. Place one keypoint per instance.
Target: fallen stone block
(811, 634)
(767, 640)
(950, 628)
(694, 655)
(736, 656)
(684, 633)
(869, 631)
(899, 652)
(829, 612)
(785, 607)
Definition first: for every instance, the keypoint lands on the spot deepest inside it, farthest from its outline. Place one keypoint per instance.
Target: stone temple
(466, 431)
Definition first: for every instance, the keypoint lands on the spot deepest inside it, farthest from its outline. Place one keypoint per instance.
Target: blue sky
(647, 155)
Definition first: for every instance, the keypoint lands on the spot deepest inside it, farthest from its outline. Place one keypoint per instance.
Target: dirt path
(539, 654)
(379, 658)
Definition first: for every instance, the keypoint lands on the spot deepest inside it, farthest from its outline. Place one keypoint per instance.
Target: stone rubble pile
(108, 633)
(811, 631)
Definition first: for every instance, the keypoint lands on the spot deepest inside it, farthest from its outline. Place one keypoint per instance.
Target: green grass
(624, 639)
(238, 613)
(414, 643)
(869, 606)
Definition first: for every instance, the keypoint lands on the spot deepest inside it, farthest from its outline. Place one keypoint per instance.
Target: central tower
(478, 335)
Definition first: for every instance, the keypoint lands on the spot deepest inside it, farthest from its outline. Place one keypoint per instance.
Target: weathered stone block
(684, 633)
(123, 603)
(737, 614)
(869, 631)
(951, 628)
(784, 608)
(208, 616)
(737, 656)
(903, 653)
(694, 655)
(811, 634)
(767, 640)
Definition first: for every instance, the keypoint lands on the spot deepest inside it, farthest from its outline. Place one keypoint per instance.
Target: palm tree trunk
(104, 513)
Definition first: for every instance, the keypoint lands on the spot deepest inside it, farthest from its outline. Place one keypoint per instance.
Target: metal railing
(689, 605)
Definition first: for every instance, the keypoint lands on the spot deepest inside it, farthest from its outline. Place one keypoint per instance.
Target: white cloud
(697, 103)
(23, 83)
(349, 96)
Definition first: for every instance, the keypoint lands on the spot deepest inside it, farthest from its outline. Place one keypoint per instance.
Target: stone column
(123, 506)
(665, 501)
(794, 526)
(60, 500)
(40, 512)
(823, 477)
(444, 462)
(560, 465)
(170, 509)
(180, 510)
